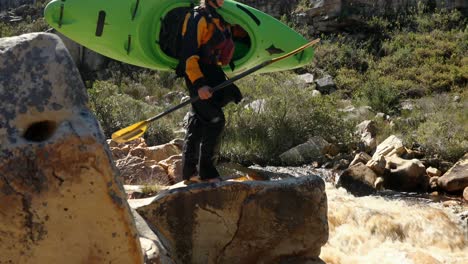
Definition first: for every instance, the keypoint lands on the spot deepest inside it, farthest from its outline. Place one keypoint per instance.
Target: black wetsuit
(206, 121)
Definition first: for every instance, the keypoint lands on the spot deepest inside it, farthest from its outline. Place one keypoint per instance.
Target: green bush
(115, 111)
(291, 115)
(23, 27)
(6, 30)
(444, 127)
(438, 124)
(380, 94)
(341, 52)
(419, 50)
(140, 83)
(349, 80)
(444, 135)
(441, 19)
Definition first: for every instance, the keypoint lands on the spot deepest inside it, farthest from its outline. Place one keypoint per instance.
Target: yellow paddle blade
(131, 132)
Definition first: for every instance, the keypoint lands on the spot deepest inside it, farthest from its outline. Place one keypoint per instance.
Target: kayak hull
(128, 31)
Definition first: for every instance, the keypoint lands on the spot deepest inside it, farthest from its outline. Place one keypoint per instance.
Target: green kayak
(130, 31)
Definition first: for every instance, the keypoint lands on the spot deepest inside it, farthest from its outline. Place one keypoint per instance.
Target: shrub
(444, 135)
(439, 125)
(139, 82)
(152, 190)
(115, 111)
(6, 30)
(442, 19)
(290, 116)
(341, 52)
(27, 26)
(444, 129)
(349, 80)
(380, 94)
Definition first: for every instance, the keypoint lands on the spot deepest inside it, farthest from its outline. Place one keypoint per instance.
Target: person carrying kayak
(207, 45)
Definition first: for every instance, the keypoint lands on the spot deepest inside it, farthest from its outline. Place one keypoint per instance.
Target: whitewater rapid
(382, 230)
(388, 227)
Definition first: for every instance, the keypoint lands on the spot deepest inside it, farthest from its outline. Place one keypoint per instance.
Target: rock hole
(40, 131)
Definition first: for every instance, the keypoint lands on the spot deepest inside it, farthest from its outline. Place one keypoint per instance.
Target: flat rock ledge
(241, 222)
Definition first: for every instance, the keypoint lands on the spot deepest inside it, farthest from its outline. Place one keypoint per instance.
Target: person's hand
(204, 92)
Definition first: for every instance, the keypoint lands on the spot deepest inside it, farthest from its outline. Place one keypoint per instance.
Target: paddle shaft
(233, 79)
(214, 89)
(139, 128)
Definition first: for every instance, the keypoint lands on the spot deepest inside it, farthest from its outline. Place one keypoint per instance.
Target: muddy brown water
(388, 227)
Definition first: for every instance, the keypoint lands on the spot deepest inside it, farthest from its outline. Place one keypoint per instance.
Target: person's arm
(191, 43)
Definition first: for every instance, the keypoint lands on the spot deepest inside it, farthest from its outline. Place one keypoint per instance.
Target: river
(389, 227)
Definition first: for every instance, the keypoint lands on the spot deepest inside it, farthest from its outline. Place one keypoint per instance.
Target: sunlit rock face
(242, 222)
(456, 179)
(275, 8)
(336, 15)
(342, 8)
(60, 200)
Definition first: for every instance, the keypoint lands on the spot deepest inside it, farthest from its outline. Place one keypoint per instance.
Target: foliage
(335, 53)
(439, 19)
(418, 54)
(30, 23)
(115, 111)
(151, 190)
(439, 125)
(431, 61)
(289, 117)
(379, 94)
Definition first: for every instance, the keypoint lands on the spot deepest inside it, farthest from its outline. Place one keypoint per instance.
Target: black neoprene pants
(204, 129)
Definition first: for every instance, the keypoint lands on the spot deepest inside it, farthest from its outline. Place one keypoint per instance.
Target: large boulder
(456, 178)
(242, 222)
(338, 15)
(358, 179)
(326, 85)
(60, 199)
(405, 175)
(136, 170)
(314, 149)
(385, 169)
(360, 157)
(378, 164)
(162, 152)
(275, 8)
(173, 167)
(389, 147)
(398, 173)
